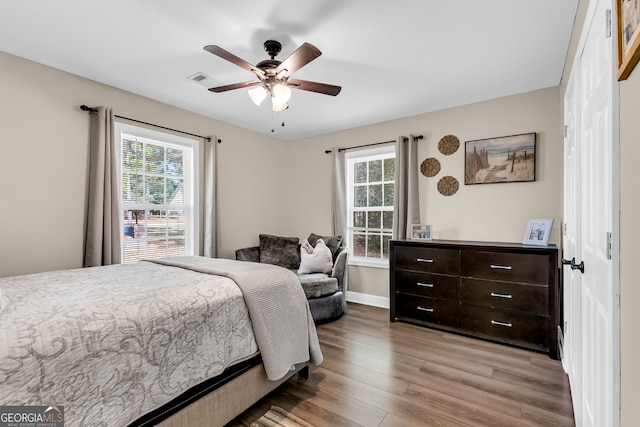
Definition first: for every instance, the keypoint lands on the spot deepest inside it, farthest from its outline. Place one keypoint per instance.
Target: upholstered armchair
(325, 291)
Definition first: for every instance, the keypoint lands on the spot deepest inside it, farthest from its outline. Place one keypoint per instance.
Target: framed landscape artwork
(503, 159)
(628, 30)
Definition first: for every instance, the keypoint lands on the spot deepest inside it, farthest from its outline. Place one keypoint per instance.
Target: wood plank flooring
(378, 373)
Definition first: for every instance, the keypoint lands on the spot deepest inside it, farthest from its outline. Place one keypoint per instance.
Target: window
(157, 173)
(370, 194)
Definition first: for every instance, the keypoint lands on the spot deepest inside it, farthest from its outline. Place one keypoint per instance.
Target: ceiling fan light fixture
(279, 107)
(258, 94)
(281, 94)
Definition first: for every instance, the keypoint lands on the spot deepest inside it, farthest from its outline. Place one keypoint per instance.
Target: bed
(139, 344)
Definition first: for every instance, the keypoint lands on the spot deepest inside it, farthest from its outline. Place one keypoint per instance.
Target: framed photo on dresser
(537, 232)
(421, 232)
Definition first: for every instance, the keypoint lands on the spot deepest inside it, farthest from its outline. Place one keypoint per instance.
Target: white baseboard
(366, 299)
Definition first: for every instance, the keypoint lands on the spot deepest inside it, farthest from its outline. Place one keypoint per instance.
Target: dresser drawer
(432, 260)
(427, 284)
(515, 326)
(532, 299)
(509, 267)
(442, 312)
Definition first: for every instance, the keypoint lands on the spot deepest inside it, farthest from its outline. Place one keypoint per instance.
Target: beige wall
(629, 238)
(43, 147)
(492, 212)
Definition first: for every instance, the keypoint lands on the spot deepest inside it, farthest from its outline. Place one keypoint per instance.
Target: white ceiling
(392, 58)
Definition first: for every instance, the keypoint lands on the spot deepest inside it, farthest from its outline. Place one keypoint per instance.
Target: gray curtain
(104, 234)
(406, 205)
(339, 193)
(210, 197)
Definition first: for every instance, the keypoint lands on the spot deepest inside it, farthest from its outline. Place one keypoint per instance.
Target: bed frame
(219, 400)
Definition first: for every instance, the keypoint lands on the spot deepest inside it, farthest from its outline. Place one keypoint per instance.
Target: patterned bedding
(113, 343)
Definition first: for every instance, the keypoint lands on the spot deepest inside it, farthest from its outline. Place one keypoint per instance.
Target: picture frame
(537, 232)
(500, 160)
(628, 36)
(421, 232)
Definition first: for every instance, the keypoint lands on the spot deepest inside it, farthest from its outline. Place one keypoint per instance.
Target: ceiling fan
(275, 76)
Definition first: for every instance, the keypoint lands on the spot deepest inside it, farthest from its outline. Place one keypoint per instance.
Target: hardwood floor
(378, 373)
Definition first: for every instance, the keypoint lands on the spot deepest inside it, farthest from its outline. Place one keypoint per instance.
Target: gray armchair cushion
(318, 285)
(248, 254)
(282, 251)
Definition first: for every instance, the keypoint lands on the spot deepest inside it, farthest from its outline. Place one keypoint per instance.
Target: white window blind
(157, 180)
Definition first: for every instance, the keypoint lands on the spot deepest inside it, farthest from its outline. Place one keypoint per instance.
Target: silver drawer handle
(501, 267)
(425, 285)
(495, 322)
(430, 310)
(507, 296)
(423, 260)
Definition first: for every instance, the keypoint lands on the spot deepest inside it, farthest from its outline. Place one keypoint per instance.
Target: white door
(571, 244)
(592, 197)
(596, 146)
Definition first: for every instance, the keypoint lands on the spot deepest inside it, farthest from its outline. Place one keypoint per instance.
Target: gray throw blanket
(279, 311)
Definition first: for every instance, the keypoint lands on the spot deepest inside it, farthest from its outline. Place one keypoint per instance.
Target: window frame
(190, 176)
(351, 157)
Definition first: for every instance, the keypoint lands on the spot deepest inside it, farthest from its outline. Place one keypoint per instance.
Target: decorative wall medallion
(430, 167)
(448, 144)
(448, 186)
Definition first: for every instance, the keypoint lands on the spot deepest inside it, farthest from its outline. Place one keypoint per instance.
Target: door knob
(573, 264)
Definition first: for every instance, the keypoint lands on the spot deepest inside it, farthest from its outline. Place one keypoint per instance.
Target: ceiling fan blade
(298, 59)
(323, 88)
(218, 51)
(225, 88)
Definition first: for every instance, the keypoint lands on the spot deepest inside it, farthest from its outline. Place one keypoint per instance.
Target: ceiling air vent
(204, 80)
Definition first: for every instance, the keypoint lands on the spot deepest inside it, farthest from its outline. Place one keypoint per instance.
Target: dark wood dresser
(503, 292)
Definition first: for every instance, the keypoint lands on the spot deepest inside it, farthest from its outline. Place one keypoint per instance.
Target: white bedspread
(113, 343)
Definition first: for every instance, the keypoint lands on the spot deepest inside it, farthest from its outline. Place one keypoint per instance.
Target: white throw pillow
(315, 260)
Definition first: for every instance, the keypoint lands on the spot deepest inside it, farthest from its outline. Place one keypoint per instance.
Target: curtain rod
(415, 138)
(93, 110)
